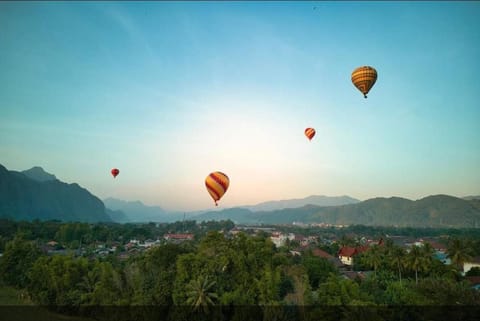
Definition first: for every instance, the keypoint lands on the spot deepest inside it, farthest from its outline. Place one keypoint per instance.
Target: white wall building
(467, 266)
(279, 238)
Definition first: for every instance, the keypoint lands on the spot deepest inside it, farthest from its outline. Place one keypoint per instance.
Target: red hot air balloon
(115, 172)
(310, 132)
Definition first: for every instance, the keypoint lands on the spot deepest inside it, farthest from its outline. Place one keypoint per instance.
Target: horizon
(168, 92)
(219, 208)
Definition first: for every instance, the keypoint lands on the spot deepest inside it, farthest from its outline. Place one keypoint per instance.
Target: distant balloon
(217, 184)
(310, 132)
(115, 172)
(364, 78)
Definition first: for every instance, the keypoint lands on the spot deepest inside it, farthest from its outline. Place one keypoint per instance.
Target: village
(341, 252)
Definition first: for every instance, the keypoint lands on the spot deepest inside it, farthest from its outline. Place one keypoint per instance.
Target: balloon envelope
(217, 184)
(364, 78)
(115, 172)
(310, 132)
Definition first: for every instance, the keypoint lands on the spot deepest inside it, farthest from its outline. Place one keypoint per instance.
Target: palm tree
(427, 252)
(373, 257)
(200, 293)
(459, 252)
(396, 256)
(415, 260)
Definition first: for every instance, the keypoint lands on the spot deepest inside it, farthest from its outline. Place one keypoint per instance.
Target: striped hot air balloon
(217, 184)
(364, 78)
(310, 132)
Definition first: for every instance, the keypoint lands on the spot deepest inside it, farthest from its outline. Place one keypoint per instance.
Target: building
(347, 253)
(178, 237)
(321, 253)
(279, 238)
(467, 266)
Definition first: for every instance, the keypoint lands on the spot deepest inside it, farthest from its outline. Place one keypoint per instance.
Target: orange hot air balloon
(217, 184)
(310, 132)
(364, 78)
(115, 172)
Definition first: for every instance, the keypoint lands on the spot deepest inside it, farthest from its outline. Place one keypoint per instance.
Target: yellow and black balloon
(217, 184)
(364, 78)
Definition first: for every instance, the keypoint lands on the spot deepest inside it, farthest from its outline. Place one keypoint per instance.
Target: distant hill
(38, 174)
(117, 216)
(471, 197)
(136, 211)
(432, 211)
(36, 194)
(319, 200)
(236, 214)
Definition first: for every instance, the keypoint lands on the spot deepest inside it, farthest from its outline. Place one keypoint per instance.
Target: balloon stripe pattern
(310, 132)
(364, 78)
(217, 184)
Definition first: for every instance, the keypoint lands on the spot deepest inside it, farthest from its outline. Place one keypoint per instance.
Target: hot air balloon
(310, 132)
(217, 184)
(364, 78)
(115, 172)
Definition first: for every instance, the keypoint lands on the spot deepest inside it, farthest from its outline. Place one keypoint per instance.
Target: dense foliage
(220, 269)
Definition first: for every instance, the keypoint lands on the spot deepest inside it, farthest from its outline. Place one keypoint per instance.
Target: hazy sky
(170, 91)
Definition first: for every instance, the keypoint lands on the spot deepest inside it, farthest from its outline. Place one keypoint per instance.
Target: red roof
(351, 251)
(321, 253)
(347, 251)
(436, 245)
(473, 279)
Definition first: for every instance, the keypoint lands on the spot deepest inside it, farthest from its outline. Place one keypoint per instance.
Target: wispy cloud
(132, 29)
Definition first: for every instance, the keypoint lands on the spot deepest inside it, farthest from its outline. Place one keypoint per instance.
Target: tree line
(219, 271)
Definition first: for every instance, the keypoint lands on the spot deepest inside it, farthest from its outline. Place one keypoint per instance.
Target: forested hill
(319, 200)
(431, 211)
(36, 194)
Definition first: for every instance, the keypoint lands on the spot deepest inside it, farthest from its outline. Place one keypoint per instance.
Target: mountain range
(36, 194)
(136, 211)
(431, 211)
(319, 200)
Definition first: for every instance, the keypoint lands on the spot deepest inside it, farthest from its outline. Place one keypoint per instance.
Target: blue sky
(170, 91)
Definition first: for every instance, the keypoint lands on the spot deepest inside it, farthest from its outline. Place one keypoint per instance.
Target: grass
(11, 296)
(15, 305)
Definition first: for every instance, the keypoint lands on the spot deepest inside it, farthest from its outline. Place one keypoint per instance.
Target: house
(353, 275)
(467, 266)
(436, 246)
(52, 243)
(302, 240)
(347, 253)
(321, 253)
(235, 231)
(149, 243)
(324, 255)
(178, 237)
(279, 238)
